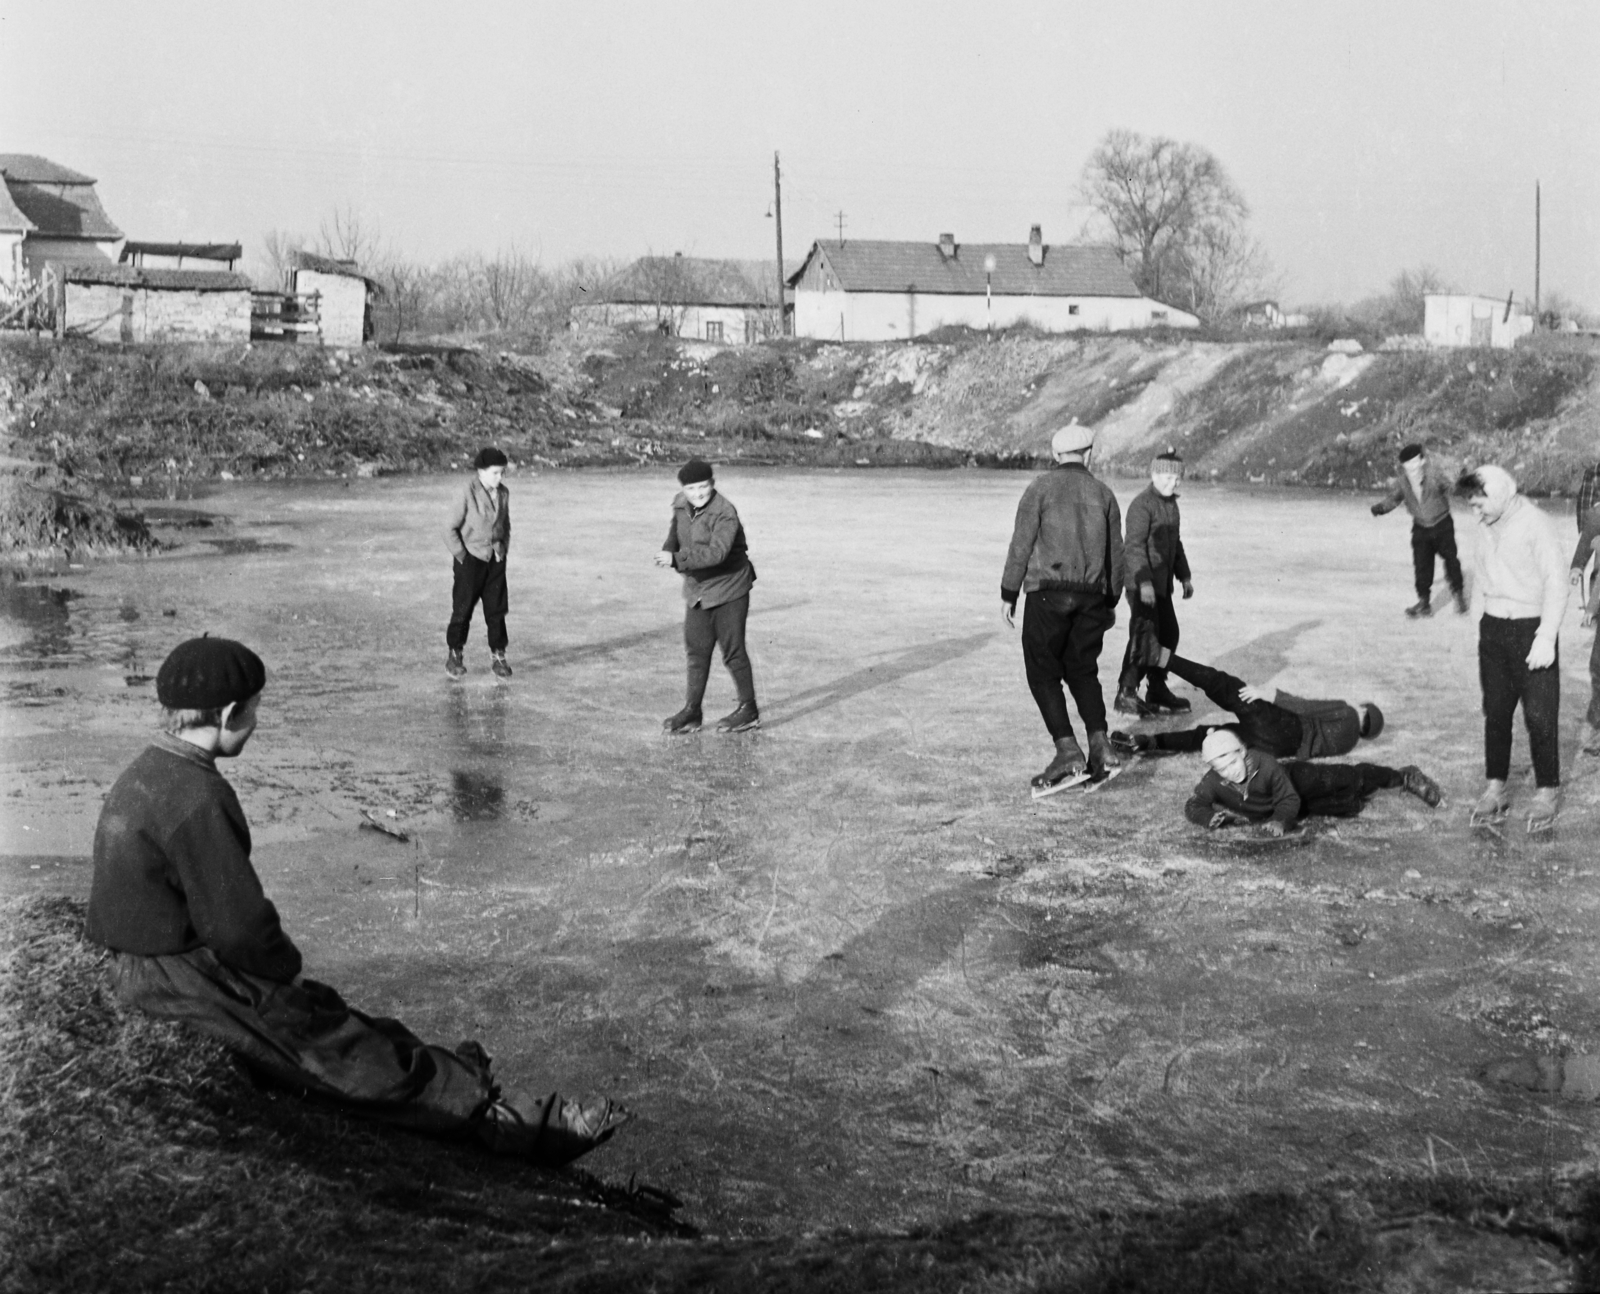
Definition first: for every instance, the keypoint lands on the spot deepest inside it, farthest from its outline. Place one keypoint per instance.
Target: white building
(1460, 319)
(49, 214)
(685, 296)
(121, 303)
(344, 296)
(866, 290)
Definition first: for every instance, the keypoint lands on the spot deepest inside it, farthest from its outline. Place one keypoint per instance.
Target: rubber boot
(1068, 762)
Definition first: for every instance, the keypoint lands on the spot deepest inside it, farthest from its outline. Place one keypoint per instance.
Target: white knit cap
(1220, 742)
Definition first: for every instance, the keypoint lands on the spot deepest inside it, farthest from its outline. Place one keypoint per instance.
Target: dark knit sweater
(1266, 792)
(172, 867)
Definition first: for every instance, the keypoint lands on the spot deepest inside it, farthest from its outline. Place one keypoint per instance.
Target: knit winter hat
(489, 456)
(1219, 742)
(208, 673)
(1171, 461)
(694, 471)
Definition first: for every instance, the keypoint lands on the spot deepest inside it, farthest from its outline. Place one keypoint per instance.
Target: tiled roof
(685, 280)
(11, 217)
(170, 280)
(328, 265)
(1069, 270)
(30, 168)
(72, 211)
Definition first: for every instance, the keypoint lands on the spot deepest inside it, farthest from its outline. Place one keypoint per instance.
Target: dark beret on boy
(489, 456)
(208, 673)
(1410, 452)
(694, 470)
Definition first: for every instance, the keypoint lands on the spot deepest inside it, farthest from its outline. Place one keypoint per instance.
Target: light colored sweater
(1520, 568)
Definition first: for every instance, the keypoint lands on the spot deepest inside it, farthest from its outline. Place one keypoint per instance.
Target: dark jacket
(172, 868)
(1428, 506)
(1152, 551)
(1326, 727)
(1067, 537)
(1265, 793)
(1588, 532)
(708, 547)
(480, 523)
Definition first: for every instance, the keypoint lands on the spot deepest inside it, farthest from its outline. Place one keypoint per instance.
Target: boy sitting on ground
(194, 938)
(1283, 725)
(1243, 785)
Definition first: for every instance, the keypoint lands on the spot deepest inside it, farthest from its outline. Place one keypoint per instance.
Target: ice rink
(844, 968)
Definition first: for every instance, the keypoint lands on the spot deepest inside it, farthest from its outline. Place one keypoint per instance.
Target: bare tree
(277, 253)
(1221, 267)
(1402, 307)
(408, 289)
(1160, 197)
(346, 235)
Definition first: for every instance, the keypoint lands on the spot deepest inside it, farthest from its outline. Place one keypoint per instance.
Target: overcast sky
(1367, 137)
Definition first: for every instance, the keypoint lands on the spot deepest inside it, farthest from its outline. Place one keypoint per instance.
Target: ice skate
(497, 662)
(1420, 610)
(1590, 742)
(1421, 785)
(1162, 700)
(1104, 761)
(1492, 806)
(743, 719)
(1128, 702)
(687, 720)
(1460, 597)
(1542, 809)
(1068, 768)
(454, 666)
(1130, 745)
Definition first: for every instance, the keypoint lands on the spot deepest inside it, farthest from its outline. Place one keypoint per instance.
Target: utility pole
(838, 219)
(1537, 249)
(777, 211)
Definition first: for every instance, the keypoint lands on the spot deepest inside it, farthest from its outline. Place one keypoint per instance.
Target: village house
(49, 214)
(1462, 319)
(685, 296)
(344, 297)
(866, 290)
(126, 303)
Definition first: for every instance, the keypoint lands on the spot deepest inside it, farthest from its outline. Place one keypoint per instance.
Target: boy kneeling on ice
(1243, 785)
(194, 938)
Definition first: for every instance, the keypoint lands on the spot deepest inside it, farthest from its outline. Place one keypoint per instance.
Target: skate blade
(1111, 775)
(1541, 826)
(1065, 784)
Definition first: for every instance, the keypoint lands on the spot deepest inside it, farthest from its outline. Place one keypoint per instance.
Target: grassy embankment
(137, 1158)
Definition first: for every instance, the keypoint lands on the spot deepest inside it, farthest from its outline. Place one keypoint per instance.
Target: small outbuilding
(684, 296)
(120, 303)
(1462, 319)
(871, 290)
(344, 296)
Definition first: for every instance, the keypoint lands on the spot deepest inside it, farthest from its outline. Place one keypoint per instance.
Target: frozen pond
(846, 970)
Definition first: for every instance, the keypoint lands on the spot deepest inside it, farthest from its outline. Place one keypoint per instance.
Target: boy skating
(706, 544)
(1284, 725)
(1250, 786)
(1153, 557)
(1519, 592)
(478, 534)
(1426, 494)
(194, 938)
(1066, 553)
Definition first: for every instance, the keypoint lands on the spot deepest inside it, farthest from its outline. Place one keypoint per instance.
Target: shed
(872, 290)
(119, 303)
(1463, 319)
(686, 296)
(344, 296)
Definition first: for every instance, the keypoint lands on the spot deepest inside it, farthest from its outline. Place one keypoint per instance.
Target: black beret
(1372, 721)
(696, 469)
(489, 456)
(207, 673)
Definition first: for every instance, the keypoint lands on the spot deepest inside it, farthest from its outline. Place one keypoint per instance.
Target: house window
(713, 330)
(1158, 316)
(1072, 310)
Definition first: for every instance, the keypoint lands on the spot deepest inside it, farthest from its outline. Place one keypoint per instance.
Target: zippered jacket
(1266, 792)
(708, 548)
(1067, 537)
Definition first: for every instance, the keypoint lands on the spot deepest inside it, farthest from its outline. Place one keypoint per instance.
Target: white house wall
(891, 316)
(685, 321)
(12, 271)
(1448, 321)
(342, 305)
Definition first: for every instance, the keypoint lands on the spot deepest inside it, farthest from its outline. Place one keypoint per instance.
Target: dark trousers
(1426, 541)
(1261, 724)
(1165, 618)
(1062, 634)
(304, 1036)
(1594, 682)
(1503, 671)
(720, 626)
(477, 580)
(1338, 790)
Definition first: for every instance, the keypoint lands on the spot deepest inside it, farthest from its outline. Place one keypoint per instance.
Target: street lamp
(988, 297)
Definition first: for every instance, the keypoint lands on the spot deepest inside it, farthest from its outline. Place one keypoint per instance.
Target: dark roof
(685, 280)
(1069, 270)
(70, 210)
(200, 251)
(30, 168)
(11, 217)
(169, 280)
(328, 265)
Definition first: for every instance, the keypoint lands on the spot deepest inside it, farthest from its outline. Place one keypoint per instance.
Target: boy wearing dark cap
(1152, 553)
(478, 535)
(1426, 494)
(194, 938)
(706, 544)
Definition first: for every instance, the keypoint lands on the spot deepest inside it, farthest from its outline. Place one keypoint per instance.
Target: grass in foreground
(135, 1157)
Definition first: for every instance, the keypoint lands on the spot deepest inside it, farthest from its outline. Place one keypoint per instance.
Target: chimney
(1036, 245)
(947, 246)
